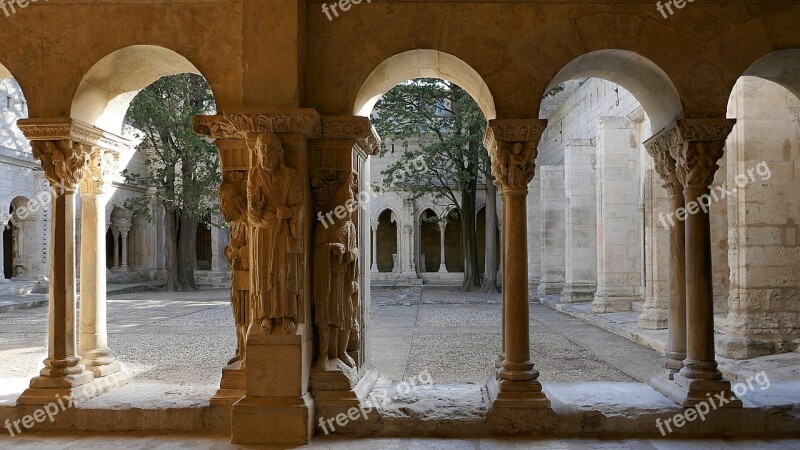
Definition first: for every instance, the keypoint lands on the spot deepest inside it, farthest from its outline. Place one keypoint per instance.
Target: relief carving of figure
(335, 281)
(275, 215)
(233, 203)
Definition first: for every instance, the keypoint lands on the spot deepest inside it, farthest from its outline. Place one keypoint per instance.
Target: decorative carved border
(355, 128)
(236, 125)
(513, 130)
(57, 129)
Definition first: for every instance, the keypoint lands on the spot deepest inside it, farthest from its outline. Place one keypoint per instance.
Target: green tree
(450, 124)
(182, 167)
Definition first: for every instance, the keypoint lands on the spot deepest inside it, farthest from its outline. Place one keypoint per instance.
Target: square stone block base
(608, 303)
(84, 387)
(744, 348)
(259, 420)
(518, 394)
(577, 292)
(690, 392)
(231, 386)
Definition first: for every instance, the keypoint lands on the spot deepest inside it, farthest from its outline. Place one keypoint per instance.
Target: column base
(653, 319)
(578, 292)
(695, 391)
(516, 394)
(231, 386)
(46, 390)
(605, 302)
(338, 392)
(442, 269)
(550, 287)
(100, 362)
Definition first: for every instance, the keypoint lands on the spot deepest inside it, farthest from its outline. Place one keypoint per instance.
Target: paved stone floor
(455, 336)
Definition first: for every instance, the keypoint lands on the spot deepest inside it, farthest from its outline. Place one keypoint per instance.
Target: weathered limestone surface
(553, 232)
(619, 262)
(580, 265)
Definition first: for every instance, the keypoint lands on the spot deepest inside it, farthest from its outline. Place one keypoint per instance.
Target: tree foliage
(450, 126)
(182, 166)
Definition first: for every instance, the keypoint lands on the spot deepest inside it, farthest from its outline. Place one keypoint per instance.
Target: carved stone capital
(234, 155)
(659, 147)
(102, 164)
(701, 144)
(237, 125)
(512, 146)
(65, 146)
(354, 128)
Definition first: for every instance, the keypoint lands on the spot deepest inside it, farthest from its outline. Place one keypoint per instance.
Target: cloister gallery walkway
(176, 343)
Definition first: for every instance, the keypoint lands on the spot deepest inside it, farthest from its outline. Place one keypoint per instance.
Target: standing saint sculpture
(233, 204)
(275, 214)
(335, 272)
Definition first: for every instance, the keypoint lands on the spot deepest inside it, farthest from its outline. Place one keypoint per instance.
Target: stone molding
(512, 146)
(237, 125)
(354, 128)
(57, 129)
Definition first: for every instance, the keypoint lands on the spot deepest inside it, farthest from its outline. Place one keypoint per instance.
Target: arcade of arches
(652, 115)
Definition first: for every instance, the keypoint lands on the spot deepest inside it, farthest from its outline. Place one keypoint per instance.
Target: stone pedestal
(277, 407)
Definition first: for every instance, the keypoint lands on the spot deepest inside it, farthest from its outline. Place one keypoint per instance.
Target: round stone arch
(651, 86)
(781, 67)
(422, 63)
(110, 85)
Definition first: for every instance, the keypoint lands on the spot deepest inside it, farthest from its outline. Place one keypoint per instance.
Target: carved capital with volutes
(512, 146)
(97, 178)
(701, 144)
(659, 147)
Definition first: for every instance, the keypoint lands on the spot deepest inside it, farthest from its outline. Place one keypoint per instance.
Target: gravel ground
(186, 338)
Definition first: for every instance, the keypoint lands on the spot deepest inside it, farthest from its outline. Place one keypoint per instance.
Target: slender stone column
(116, 236)
(93, 339)
(64, 160)
(660, 147)
(374, 267)
(512, 146)
(442, 227)
(700, 146)
(580, 214)
(124, 237)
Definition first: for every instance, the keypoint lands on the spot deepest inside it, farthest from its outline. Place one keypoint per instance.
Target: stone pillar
(534, 235)
(219, 239)
(374, 266)
(124, 237)
(93, 339)
(115, 234)
(63, 147)
(655, 309)
(580, 263)
(700, 146)
(3, 225)
(512, 148)
(619, 265)
(553, 232)
(442, 226)
(278, 407)
(660, 147)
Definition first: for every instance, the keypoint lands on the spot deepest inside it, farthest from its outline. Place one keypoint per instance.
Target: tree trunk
(489, 284)
(186, 250)
(469, 239)
(171, 247)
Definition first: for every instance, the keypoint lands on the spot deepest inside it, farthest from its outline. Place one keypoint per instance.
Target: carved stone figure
(335, 285)
(275, 210)
(233, 203)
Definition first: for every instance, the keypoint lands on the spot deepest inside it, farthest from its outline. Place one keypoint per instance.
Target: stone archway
(387, 242)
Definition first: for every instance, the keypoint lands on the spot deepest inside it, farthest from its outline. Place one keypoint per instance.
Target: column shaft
(676, 344)
(442, 264)
(374, 267)
(124, 236)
